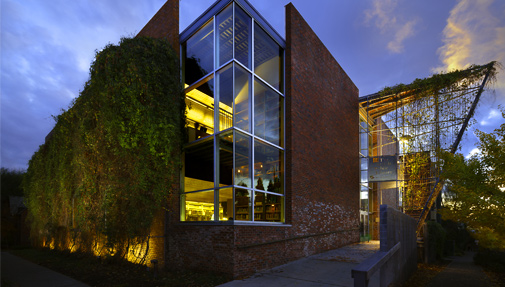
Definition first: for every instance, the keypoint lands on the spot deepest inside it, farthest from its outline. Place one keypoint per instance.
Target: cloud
(472, 153)
(403, 33)
(474, 34)
(47, 48)
(384, 17)
(493, 116)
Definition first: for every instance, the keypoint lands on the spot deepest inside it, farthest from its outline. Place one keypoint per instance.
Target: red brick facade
(322, 167)
(321, 138)
(164, 24)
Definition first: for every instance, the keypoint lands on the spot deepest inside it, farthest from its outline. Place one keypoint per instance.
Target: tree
(11, 182)
(476, 189)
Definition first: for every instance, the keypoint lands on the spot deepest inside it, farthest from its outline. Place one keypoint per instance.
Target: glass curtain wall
(234, 156)
(365, 145)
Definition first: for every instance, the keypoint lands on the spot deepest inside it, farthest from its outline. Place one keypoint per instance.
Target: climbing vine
(112, 158)
(425, 118)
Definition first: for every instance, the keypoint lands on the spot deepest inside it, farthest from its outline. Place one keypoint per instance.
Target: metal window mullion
(216, 38)
(233, 31)
(252, 46)
(251, 174)
(216, 121)
(243, 66)
(251, 122)
(268, 85)
(268, 143)
(216, 175)
(233, 171)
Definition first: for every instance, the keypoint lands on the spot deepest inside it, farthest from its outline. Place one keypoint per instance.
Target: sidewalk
(332, 268)
(22, 273)
(461, 272)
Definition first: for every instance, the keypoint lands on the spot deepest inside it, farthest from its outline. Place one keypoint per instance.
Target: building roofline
(221, 4)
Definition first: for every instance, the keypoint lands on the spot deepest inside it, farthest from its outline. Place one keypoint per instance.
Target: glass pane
(198, 206)
(267, 113)
(224, 41)
(226, 159)
(242, 37)
(242, 92)
(268, 207)
(363, 124)
(225, 204)
(242, 159)
(199, 166)
(198, 54)
(363, 140)
(268, 168)
(364, 163)
(267, 58)
(364, 200)
(364, 176)
(225, 91)
(242, 204)
(200, 110)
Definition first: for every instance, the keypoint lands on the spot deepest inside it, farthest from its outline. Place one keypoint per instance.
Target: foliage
(436, 237)
(458, 233)
(111, 159)
(476, 189)
(11, 182)
(443, 82)
(426, 117)
(492, 259)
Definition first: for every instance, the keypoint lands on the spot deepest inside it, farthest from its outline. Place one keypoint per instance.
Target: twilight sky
(47, 47)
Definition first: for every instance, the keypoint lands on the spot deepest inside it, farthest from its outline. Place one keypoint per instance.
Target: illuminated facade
(235, 155)
(270, 172)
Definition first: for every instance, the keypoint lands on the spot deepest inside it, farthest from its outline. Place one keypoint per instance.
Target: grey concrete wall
(395, 227)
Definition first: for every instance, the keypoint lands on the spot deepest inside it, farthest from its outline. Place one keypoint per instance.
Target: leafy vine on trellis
(426, 120)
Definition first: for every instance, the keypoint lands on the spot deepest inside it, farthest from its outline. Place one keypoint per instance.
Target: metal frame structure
(426, 122)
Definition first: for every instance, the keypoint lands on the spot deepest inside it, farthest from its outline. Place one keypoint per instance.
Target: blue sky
(47, 47)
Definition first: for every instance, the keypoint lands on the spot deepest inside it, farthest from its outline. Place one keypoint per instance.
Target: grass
(94, 272)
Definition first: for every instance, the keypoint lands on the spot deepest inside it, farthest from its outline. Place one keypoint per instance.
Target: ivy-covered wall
(109, 163)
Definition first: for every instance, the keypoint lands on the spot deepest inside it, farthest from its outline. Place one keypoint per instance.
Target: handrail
(365, 270)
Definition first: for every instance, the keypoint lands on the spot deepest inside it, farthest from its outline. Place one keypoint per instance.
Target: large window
(198, 54)
(234, 156)
(365, 151)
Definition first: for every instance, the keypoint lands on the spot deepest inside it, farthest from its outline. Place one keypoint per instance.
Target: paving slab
(331, 268)
(19, 272)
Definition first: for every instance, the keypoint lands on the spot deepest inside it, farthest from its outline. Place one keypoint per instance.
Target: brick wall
(322, 167)
(164, 24)
(322, 174)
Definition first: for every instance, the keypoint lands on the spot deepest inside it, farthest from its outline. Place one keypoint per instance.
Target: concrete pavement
(461, 272)
(332, 268)
(22, 273)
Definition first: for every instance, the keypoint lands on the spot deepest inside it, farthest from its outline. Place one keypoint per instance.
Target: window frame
(255, 18)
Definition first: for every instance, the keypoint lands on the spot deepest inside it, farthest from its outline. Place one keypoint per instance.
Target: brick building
(272, 175)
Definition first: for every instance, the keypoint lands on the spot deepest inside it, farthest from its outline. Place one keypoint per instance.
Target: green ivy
(113, 157)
